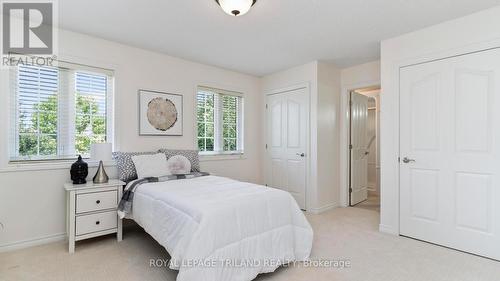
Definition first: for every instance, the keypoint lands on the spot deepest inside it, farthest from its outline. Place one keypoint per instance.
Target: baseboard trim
(32, 242)
(323, 209)
(387, 229)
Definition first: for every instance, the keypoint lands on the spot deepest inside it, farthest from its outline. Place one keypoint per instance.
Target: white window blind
(58, 112)
(219, 121)
(37, 107)
(206, 121)
(90, 110)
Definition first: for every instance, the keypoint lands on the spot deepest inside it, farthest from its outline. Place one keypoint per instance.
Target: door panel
(472, 111)
(424, 194)
(424, 113)
(450, 193)
(359, 150)
(288, 133)
(293, 124)
(277, 173)
(276, 123)
(295, 177)
(473, 204)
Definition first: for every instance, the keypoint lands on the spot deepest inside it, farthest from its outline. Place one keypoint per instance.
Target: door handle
(407, 160)
(301, 154)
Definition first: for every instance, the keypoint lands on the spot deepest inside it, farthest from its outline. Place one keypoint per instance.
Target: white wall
(328, 116)
(467, 34)
(324, 83)
(32, 204)
(362, 74)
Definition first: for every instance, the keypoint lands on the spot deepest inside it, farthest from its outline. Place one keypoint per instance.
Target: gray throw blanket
(125, 205)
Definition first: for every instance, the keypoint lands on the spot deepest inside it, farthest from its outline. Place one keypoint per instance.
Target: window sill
(48, 165)
(221, 157)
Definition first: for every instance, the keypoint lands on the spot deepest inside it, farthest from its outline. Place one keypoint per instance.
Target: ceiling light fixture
(236, 7)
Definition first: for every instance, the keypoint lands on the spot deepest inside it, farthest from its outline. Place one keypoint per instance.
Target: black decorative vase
(79, 171)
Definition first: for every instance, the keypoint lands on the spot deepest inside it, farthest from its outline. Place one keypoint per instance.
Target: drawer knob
(97, 222)
(98, 202)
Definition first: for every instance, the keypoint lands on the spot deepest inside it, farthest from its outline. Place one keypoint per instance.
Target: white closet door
(359, 151)
(450, 152)
(287, 135)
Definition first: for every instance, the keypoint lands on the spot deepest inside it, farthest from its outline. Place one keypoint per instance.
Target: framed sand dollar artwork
(160, 114)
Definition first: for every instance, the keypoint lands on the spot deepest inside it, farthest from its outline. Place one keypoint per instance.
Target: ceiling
(274, 35)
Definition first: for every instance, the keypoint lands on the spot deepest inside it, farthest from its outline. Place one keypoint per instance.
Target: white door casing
(358, 152)
(450, 135)
(287, 137)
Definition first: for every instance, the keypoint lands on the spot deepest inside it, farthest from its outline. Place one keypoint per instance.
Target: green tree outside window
(39, 135)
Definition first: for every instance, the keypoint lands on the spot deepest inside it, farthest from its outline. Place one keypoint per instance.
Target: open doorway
(364, 147)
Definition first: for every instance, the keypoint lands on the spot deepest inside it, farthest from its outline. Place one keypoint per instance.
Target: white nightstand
(91, 210)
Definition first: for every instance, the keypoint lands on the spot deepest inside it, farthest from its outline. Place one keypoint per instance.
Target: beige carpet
(349, 233)
(372, 203)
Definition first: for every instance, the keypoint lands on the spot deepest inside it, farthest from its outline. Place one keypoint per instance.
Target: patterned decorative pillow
(191, 155)
(125, 165)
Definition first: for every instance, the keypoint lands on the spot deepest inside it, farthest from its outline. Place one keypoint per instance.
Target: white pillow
(179, 165)
(151, 165)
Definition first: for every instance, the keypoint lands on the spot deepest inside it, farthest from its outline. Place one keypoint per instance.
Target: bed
(214, 228)
(219, 229)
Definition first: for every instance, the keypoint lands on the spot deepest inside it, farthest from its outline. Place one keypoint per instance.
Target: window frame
(219, 123)
(66, 70)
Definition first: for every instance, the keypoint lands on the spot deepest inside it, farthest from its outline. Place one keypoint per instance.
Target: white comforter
(218, 229)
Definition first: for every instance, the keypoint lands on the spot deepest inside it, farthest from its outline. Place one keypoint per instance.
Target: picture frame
(160, 113)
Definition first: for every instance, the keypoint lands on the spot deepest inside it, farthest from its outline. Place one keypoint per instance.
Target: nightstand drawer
(97, 201)
(96, 222)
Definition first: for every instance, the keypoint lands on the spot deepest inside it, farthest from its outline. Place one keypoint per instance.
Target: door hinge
(399, 159)
(266, 105)
(266, 145)
(350, 146)
(350, 190)
(350, 103)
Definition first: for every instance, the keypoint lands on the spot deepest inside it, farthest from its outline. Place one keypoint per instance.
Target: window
(90, 125)
(220, 121)
(58, 113)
